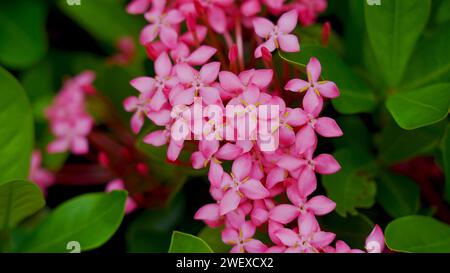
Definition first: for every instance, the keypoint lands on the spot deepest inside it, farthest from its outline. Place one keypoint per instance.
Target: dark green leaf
(89, 219)
(18, 200)
(421, 107)
(418, 234)
(398, 195)
(16, 130)
(22, 32)
(393, 28)
(187, 243)
(352, 187)
(213, 237)
(443, 13)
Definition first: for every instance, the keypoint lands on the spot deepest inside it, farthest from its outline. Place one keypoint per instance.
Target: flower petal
(284, 214)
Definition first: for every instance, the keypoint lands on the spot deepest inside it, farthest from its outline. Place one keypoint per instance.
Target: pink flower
(277, 36)
(313, 86)
(307, 166)
(235, 85)
(308, 239)
(152, 93)
(200, 82)
(375, 241)
(138, 6)
(286, 213)
(42, 177)
(199, 56)
(215, 12)
(242, 239)
(239, 185)
(118, 184)
(342, 247)
(71, 136)
(162, 23)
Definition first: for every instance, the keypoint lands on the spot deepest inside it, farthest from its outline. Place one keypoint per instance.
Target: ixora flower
(251, 186)
(277, 36)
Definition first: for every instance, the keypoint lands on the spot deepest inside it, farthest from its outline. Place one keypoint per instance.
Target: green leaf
(90, 219)
(213, 237)
(398, 195)
(431, 60)
(356, 97)
(393, 28)
(352, 187)
(356, 134)
(443, 13)
(151, 231)
(418, 234)
(105, 20)
(445, 147)
(16, 130)
(18, 200)
(392, 140)
(352, 229)
(187, 243)
(421, 107)
(22, 32)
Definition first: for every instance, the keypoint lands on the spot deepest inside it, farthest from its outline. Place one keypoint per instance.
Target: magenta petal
(290, 163)
(215, 173)
(375, 241)
(156, 138)
(148, 34)
(314, 69)
(230, 82)
(253, 189)
(321, 205)
(326, 164)
(259, 216)
(163, 66)
(217, 19)
(262, 77)
(185, 73)
(160, 118)
(288, 21)
(209, 72)
(201, 55)
(305, 139)
(248, 230)
(327, 127)
(230, 236)
(230, 202)
(263, 27)
(312, 103)
(209, 212)
(228, 152)
(168, 36)
(296, 85)
(307, 224)
(255, 246)
(328, 90)
(284, 214)
(241, 167)
(158, 100)
(322, 239)
(143, 84)
(275, 176)
(307, 182)
(287, 236)
(174, 149)
(137, 121)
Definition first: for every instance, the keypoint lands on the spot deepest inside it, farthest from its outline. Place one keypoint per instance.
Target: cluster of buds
(190, 93)
(69, 120)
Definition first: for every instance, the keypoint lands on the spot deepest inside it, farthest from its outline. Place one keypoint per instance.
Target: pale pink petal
(375, 241)
(307, 224)
(259, 216)
(255, 246)
(168, 36)
(138, 6)
(229, 202)
(288, 21)
(58, 146)
(289, 43)
(262, 77)
(312, 103)
(160, 118)
(322, 239)
(284, 214)
(251, 95)
(217, 19)
(210, 96)
(269, 44)
(314, 69)
(198, 160)
(185, 73)
(163, 66)
(296, 117)
(230, 236)
(143, 84)
(254, 190)
(215, 173)
(174, 17)
(228, 152)
(296, 85)
(307, 182)
(248, 230)
(241, 167)
(209, 72)
(156, 138)
(321, 205)
(209, 212)
(326, 164)
(305, 139)
(130, 104)
(174, 149)
(137, 121)
(287, 236)
(275, 176)
(263, 27)
(327, 127)
(158, 100)
(328, 90)
(230, 82)
(201, 55)
(148, 34)
(290, 163)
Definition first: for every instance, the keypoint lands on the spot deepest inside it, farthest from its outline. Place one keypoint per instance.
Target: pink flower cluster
(272, 191)
(69, 120)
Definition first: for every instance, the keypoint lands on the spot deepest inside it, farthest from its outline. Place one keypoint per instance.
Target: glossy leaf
(16, 130)
(399, 195)
(213, 237)
(356, 97)
(187, 243)
(22, 32)
(19, 199)
(421, 107)
(89, 219)
(418, 234)
(353, 186)
(394, 28)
